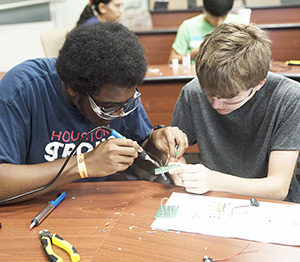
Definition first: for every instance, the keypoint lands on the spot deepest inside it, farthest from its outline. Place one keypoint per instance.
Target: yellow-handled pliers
(47, 239)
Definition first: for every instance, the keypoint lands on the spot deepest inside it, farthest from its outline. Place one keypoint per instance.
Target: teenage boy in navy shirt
(48, 105)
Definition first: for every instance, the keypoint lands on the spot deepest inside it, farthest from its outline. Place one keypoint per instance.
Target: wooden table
(167, 73)
(110, 221)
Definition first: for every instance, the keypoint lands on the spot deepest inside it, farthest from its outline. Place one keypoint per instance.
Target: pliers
(47, 239)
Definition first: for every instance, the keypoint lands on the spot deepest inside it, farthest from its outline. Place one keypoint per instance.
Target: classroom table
(167, 73)
(110, 221)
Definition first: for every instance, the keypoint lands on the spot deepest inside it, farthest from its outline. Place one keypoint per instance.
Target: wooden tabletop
(110, 221)
(167, 73)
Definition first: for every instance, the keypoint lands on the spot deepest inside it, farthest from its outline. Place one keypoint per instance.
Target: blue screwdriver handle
(116, 134)
(58, 200)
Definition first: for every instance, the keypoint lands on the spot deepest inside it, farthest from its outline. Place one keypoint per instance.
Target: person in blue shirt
(101, 11)
(49, 105)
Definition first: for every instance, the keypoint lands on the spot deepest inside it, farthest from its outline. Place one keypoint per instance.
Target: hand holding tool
(143, 154)
(47, 239)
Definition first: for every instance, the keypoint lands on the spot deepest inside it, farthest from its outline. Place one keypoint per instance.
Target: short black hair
(99, 54)
(218, 7)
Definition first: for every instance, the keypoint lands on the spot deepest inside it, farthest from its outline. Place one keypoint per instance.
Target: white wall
(68, 12)
(20, 42)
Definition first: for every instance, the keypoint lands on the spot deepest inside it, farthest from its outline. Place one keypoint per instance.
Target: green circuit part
(165, 169)
(166, 212)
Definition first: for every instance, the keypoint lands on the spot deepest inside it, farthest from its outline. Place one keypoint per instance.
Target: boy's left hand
(195, 178)
(167, 138)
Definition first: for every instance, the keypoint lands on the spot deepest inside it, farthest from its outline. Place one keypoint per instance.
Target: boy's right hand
(111, 156)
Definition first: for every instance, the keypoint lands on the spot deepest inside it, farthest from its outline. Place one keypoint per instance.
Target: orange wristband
(81, 166)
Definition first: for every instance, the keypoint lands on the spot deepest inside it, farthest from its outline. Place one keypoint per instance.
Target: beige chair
(52, 40)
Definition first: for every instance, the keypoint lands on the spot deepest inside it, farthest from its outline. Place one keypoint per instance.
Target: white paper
(226, 217)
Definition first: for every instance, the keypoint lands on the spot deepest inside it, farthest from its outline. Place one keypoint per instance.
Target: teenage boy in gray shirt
(244, 119)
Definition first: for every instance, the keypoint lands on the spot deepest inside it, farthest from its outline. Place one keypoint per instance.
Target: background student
(101, 11)
(244, 119)
(48, 106)
(192, 31)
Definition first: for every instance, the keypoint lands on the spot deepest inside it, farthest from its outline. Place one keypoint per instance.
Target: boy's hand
(167, 138)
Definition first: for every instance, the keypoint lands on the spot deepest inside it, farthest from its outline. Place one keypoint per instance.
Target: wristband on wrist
(159, 127)
(81, 166)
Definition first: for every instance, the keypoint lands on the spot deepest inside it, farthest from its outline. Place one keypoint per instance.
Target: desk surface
(125, 211)
(166, 72)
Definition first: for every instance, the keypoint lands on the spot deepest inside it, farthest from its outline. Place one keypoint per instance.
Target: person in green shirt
(192, 31)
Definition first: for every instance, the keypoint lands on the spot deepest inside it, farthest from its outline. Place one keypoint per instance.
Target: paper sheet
(226, 217)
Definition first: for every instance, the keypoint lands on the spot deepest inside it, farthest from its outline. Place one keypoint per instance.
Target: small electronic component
(166, 211)
(164, 169)
(207, 259)
(254, 202)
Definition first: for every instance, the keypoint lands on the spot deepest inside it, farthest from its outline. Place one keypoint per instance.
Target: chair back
(52, 40)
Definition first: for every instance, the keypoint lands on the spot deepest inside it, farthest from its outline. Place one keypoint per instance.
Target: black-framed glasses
(235, 100)
(111, 113)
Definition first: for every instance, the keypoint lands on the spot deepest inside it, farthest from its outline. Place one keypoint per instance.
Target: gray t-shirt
(240, 142)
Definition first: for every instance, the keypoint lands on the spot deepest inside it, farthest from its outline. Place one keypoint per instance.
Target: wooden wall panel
(275, 15)
(157, 47)
(174, 19)
(258, 16)
(285, 44)
(159, 99)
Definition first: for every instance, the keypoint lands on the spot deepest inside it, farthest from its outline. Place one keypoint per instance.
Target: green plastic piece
(164, 169)
(166, 212)
(176, 151)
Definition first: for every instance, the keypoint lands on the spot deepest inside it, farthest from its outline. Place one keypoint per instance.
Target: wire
(242, 251)
(59, 172)
(235, 255)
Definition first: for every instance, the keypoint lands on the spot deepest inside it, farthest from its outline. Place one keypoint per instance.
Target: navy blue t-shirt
(37, 124)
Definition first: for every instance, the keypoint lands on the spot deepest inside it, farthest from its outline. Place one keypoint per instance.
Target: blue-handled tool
(46, 210)
(143, 155)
